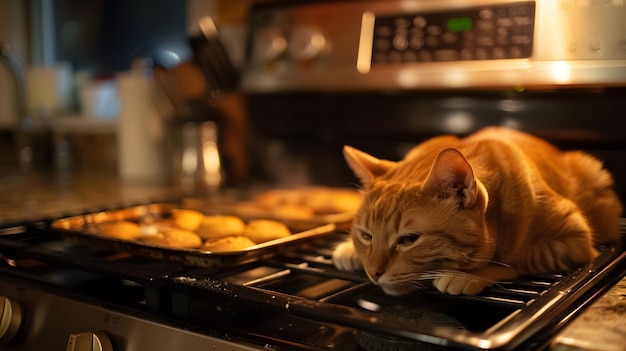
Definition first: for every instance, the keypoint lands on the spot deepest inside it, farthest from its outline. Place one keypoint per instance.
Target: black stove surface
(297, 300)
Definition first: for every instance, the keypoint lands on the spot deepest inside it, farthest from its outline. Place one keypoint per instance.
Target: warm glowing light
(212, 175)
(364, 60)
(459, 122)
(455, 78)
(560, 71)
(510, 105)
(189, 160)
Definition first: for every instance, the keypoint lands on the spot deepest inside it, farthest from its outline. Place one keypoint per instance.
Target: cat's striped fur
(464, 213)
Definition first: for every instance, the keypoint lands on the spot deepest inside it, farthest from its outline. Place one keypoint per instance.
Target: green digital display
(461, 24)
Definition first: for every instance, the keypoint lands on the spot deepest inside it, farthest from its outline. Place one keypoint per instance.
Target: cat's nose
(375, 275)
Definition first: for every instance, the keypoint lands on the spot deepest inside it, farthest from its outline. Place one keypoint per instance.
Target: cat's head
(409, 228)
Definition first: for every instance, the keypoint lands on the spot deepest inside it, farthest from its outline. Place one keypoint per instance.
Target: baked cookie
(229, 243)
(119, 230)
(216, 226)
(187, 219)
(262, 230)
(174, 238)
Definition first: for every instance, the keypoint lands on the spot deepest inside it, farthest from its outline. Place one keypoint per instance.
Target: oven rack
(303, 283)
(532, 308)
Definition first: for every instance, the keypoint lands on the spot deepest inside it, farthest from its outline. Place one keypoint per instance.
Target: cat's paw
(460, 285)
(345, 257)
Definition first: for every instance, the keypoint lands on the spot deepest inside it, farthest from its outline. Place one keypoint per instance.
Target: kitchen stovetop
(36, 197)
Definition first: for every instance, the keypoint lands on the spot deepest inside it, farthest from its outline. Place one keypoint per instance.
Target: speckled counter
(37, 196)
(602, 326)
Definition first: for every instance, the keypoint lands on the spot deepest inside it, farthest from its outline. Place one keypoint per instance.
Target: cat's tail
(593, 192)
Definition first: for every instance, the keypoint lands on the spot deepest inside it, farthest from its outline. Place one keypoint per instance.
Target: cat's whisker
(466, 276)
(487, 261)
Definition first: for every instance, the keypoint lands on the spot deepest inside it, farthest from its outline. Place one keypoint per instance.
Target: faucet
(25, 151)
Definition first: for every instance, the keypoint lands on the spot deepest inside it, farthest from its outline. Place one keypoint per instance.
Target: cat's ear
(365, 166)
(452, 174)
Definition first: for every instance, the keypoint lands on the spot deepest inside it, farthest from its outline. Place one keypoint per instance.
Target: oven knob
(10, 318)
(89, 341)
(306, 43)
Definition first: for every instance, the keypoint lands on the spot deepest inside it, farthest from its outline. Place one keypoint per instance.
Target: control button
(520, 40)
(10, 318)
(416, 43)
(89, 341)
(401, 22)
(595, 45)
(485, 26)
(400, 43)
(433, 30)
(416, 32)
(420, 22)
(522, 20)
(485, 13)
(504, 22)
(402, 31)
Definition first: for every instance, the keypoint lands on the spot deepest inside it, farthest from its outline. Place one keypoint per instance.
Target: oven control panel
(483, 33)
(435, 44)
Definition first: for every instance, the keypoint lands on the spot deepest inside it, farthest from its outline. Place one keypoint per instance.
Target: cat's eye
(365, 236)
(408, 239)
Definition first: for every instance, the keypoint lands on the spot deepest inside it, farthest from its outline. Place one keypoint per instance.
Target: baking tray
(81, 229)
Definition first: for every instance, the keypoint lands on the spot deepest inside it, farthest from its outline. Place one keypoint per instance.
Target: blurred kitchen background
(65, 65)
(150, 91)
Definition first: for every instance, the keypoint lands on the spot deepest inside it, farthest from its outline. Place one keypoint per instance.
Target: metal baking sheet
(81, 228)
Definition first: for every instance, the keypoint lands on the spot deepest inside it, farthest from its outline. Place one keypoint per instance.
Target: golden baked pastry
(316, 200)
(187, 219)
(292, 212)
(175, 238)
(262, 230)
(229, 243)
(216, 226)
(335, 201)
(120, 230)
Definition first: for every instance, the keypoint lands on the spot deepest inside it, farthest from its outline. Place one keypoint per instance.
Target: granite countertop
(34, 197)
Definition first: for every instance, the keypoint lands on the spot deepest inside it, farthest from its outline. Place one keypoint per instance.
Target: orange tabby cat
(465, 213)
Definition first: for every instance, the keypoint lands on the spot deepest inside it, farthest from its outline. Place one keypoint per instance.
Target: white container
(141, 142)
